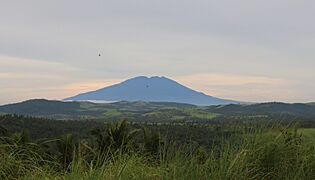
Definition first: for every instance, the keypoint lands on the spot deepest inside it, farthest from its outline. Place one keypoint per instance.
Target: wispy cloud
(242, 87)
(85, 86)
(217, 79)
(22, 78)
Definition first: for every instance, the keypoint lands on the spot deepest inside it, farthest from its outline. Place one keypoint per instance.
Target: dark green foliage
(119, 136)
(65, 148)
(151, 141)
(3, 131)
(102, 139)
(39, 128)
(116, 137)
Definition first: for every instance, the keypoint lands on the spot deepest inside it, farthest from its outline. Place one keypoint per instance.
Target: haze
(245, 50)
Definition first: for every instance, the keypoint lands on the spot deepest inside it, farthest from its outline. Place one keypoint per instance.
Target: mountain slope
(153, 89)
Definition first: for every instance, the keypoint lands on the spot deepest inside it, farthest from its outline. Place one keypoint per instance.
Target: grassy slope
(309, 135)
(255, 156)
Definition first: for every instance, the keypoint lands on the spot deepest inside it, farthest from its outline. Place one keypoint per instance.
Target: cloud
(49, 48)
(18, 65)
(219, 79)
(242, 87)
(86, 86)
(22, 78)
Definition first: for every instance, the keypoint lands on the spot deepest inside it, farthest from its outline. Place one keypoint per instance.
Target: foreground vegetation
(128, 151)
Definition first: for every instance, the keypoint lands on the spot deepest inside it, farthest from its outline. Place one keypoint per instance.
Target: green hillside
(296, 109)
(153, 111)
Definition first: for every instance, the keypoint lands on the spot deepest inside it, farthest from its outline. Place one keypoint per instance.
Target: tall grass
(265, 153)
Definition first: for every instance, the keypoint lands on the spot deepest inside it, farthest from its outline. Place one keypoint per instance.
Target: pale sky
(249, 50)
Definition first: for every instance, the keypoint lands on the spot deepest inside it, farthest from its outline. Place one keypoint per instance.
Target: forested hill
(297, 109)
(49, 108)
(41, 107)
(140, 109)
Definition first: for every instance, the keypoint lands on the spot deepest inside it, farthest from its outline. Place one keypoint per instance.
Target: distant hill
(140, 110)
(41, 107)
(151, 89)
(72, 110)
(296, 109)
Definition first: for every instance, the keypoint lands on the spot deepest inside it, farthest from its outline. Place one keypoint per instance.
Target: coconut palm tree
(120, 136)
(102, 139)
(3, 132)
(65, 147)
(151, 141)
(117, 136)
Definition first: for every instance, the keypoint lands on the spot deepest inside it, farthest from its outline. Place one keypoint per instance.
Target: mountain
(151, 89)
